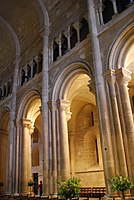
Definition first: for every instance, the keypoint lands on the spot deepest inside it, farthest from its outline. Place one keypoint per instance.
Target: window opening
(73, 38)
(34, 67)
(55, 51)
(22, 77)
(64, 44)
(40, 63)
(122, 5)
(108, 11)
(84, 30)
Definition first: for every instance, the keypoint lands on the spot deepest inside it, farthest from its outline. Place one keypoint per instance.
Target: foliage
(69, 188)
(120, 183)
(30, 182)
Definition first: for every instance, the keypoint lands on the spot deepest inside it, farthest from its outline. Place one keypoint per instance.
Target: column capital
(123, 76)
(91, 85)
(64, 105)
(109, 75)
(26, 123)
(44, 32)
(77, 25)
(99, 7)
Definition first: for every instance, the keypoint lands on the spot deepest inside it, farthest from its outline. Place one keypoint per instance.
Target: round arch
(65, 79)
(4, 119)
(77, 123)
(122, 45)
(29, 116)
(29, 106)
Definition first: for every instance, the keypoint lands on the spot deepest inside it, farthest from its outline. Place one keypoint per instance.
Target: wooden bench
(92, 192)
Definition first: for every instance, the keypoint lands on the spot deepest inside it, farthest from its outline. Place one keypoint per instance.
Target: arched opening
(108, 11)
(28, 72)
(1, 97)
(121, 63)
(73, 37)
(79, 113)
(55, 50)
(34, 67)
(64, 44)
(84, 30)
(4, 123)
(40, 57)
(129, 65)
(83, 130)
(31, 156)
(22, 77)
(122, 5)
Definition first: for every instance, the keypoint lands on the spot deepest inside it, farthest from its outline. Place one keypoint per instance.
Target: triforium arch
(4, 125)
(119, 78)
(75, 138)
(29, 145)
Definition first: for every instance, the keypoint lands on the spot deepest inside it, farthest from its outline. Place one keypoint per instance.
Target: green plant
(70, 188)
(30, 182)
(121, 184)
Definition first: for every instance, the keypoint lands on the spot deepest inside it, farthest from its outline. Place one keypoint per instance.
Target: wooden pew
(92, 192)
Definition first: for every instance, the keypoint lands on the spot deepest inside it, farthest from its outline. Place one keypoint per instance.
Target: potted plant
(69, 189)
(120, 184)
(30, 184)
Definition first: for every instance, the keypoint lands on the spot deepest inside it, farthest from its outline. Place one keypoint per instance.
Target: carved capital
(26, 123)
(123, 76)
(109, 76)
(64, 105)
(91, 86)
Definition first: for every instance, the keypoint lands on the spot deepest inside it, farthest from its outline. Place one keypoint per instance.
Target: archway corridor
(84, 136)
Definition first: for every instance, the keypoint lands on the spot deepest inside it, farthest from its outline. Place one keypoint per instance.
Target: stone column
(114, 6)
(59, 42)
(44, 109)
(77, 27)
(3, 157)
(18, 155)
(117, 138)
(68, 38)
(99, 150)
(72, 153)
(104, 121)
(100, 10)
(64, 145)
(26, 161)
(123, 77)
(53, 108)
(11, 133)
(51, 53)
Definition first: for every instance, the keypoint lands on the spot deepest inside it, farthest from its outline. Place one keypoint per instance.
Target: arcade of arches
(66, 94)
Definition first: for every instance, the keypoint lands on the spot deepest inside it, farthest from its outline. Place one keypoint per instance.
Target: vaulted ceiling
(20, 21)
